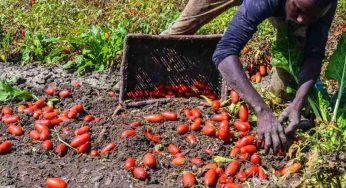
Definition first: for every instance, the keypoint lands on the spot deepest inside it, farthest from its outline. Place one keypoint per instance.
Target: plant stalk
(341, 90)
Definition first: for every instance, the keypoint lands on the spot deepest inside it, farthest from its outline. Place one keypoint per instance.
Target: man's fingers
(283, 117)
(268, 142)
(283, 139)
(259, 140)
(276, 142)
(292, 127)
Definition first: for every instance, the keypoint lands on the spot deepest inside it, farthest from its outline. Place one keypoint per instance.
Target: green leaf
(335, 66)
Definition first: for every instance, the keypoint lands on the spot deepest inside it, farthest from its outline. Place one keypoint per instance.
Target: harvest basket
(152, 60)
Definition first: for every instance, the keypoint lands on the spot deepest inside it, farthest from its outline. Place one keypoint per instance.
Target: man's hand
(292, 114)
(270, 130)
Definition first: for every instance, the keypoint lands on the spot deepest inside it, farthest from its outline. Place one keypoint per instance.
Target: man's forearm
(307, 78)
(232, 70)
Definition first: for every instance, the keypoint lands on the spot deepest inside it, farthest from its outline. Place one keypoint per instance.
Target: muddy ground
(28, 165)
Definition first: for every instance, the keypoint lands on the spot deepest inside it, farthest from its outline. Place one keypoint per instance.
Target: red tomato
(83, 148)
(219, 117)
(140, 173)
(37, 114)
(248, 149)
(55, 183)
(78, 108)
(48, 109)
(208, 130)
(127, 133)
(64, 94)
(258, 77)
(129, 163)
(182, 129)
(80, 140)
(219, 171)
(178, 161)
(109, 147)
(136, 124)
(152, 137)
(195, 113)
(88, 118)
(261, 174)
(5, 147)
(47, 145)
(235, 151)
(72, 114)
(255, 159)
(243, 113)
(10, 119)
(223, 179)
(15, 130)
(154, 118)
(50, 91)
(215, 105)
(196, 161)
(188, 114)
(6, 111)
(56, 121)
(149, 160)
(61, 149)
(173, 149)
(50, 115)
(199, 84)
(94, 153)
(263, 70)
(210, 177)
(245, 141)
(44, 134)
(232, 185)
(40, 103)
(196, 125)
(111, 93)
(21, 108)
(171, 116)
(232, 168)
(241, 176)
(234, 97)
(244, 156)
(242, 126)
(188, 179)
(251, 171)
(191, 139)
(81, 130)
(76, 84)
(224, 131)
(34, 135)
(97, 120)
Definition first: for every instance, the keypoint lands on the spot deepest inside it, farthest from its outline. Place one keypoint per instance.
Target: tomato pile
(180, 90)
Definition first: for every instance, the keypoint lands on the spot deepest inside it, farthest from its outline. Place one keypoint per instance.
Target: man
(315, 15)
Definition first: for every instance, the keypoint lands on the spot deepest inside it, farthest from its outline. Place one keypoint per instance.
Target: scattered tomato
(88, 118)
(15, 130)
(196, 125)
(129, 163)
(55, 183)
(34, 135)
(149, 160)
(245, 141)
(171, 116)
(6, 111)
(210, 177)
(40, 103)
(83, 148)
(215, 105)
(64, 94)
(232, 168)
(241, 176)
(136, 124)
(76, 84)
(50, 91)
(47, 145)
(80, 140)
(208, 130)
(5, 147)
(188, 179)
(128, 133)
(140, 173)
(251, 171)
(196, 161)
(255, 159)
(94, 153)
(243, 113)
(173, 149)
(234, 152)
(182, 129)
(242, 126)
(109, 147)
(191, 139)
(248, 149)
(234, 97)
(154, 118)
(61, 149)
(178, 161)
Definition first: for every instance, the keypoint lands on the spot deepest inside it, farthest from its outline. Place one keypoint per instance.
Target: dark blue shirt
(252, 12)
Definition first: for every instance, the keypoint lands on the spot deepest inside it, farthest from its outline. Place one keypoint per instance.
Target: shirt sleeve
(317, 35)
(243, 25)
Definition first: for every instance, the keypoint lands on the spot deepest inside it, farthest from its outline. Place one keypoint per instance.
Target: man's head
(307, 11)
